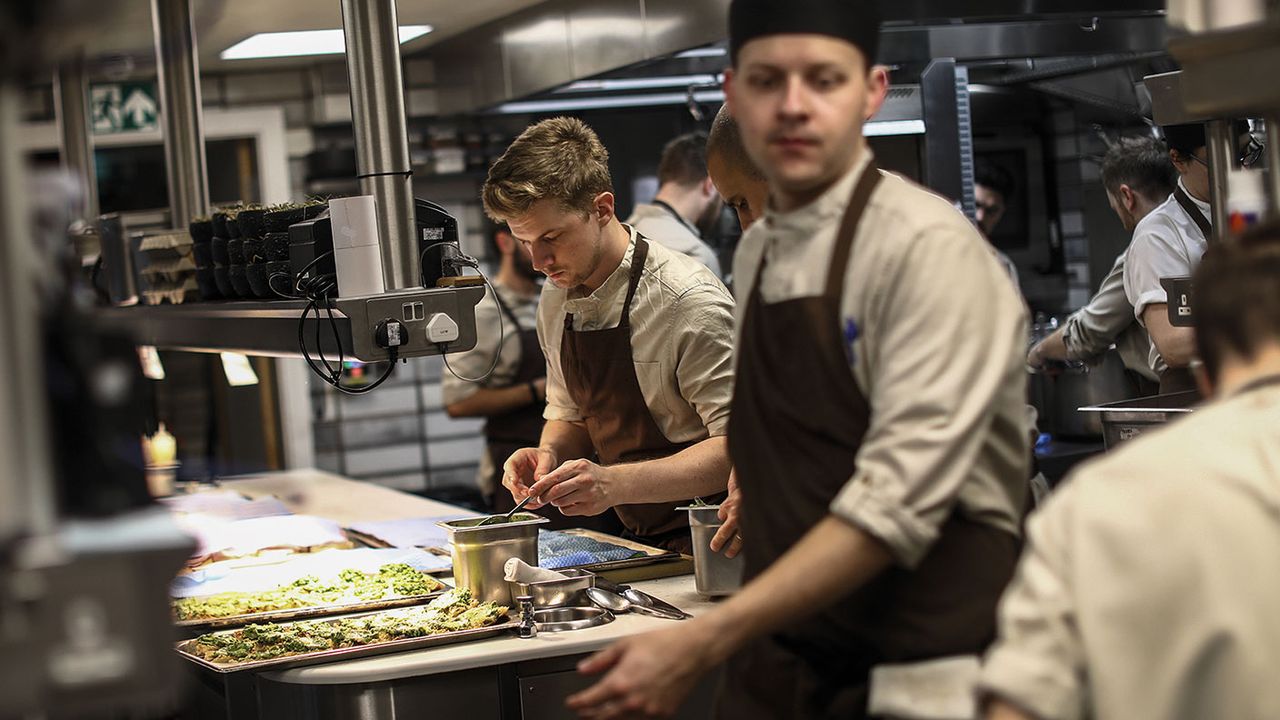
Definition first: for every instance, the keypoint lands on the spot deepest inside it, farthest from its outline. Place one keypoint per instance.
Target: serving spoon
(495, 519)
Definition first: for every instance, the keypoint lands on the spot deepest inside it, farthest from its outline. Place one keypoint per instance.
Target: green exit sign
(124, 107)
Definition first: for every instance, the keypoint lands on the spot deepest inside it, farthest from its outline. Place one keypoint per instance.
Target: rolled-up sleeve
(1155, 252)
(945, 346)
(1037, 662)
(701, 349)
(1092, 329)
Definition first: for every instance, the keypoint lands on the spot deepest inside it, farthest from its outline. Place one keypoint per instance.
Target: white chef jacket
(1108, 318)
(1166, 243)
(1149, 584)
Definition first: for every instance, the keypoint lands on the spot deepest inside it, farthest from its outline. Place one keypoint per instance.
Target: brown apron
(601, 378)
(798, 421)
(506, 433)
(1181, 379)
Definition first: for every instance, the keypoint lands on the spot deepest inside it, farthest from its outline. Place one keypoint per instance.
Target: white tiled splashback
(399, 434)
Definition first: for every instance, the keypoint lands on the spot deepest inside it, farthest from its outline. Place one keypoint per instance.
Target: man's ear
(604, 209)
(1127, 199)
(877, 89)
(708, 187)
(728, 89)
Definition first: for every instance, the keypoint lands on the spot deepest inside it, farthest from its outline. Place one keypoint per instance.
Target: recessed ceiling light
(303, 42)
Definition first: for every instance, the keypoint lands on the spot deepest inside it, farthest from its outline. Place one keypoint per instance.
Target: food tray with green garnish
(347, 591)
(453, 617)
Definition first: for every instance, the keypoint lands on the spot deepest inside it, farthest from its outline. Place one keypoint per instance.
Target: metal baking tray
(351, 653)
(303, 613)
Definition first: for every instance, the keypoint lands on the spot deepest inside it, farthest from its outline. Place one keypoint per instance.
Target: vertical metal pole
(178, 67)
(1273, 166)
(1221, 149)
(948, 137)
(71, 102)
(382, 140)
(26, 483)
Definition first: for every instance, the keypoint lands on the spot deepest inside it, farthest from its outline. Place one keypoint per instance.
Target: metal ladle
(617, 603)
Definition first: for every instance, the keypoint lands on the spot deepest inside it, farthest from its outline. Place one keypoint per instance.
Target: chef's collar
(614, 286)
(1204, 206)
(804, 220)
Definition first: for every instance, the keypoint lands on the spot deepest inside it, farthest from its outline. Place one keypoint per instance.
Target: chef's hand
(649, 675)
(728, 537)
(578, 487)
(523, 469)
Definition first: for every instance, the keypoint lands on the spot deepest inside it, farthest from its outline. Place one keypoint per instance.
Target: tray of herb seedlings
(453, 617)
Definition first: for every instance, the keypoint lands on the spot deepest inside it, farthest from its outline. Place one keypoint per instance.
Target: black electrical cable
(317, 291)
(464, 260)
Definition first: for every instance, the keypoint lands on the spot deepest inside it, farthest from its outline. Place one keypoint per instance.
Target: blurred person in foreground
(1148, 585)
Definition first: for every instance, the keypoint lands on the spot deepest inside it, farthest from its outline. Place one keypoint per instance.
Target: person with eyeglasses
(1169, 242)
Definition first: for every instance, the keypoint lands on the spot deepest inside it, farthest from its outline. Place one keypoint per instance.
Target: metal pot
(1059, 396)
(479, 553)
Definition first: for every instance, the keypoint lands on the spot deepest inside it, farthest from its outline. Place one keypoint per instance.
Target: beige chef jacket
(681, 341)
(661, 225)
(490, 320)
(1150, 582)
(1106, 319)
(937, 336)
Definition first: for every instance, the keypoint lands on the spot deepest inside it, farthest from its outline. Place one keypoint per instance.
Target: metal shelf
(271, 328)
(245, 326)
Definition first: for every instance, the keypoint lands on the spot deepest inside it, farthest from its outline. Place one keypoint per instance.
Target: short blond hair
(560, 158)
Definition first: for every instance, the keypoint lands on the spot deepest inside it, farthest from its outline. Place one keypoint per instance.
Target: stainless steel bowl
(557, 593)
(713, 573)
(479, 553)
(570, 618)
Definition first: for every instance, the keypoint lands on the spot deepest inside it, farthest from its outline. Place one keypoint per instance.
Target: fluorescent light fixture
(875, 128)
(645, 83)
(702, 52)
(303, 42)
(603, 103)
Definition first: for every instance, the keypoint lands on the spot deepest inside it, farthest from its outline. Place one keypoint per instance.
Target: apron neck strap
(638, 258)
(848, 228)
(637, 269)
(1194, 211)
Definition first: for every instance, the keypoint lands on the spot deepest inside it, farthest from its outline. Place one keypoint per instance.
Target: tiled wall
(398, 435)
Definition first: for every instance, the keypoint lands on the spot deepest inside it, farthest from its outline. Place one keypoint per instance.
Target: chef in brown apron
(878, 429)
(638, 341)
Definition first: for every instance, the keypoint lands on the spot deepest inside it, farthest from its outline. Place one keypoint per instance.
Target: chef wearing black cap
(878, 423)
